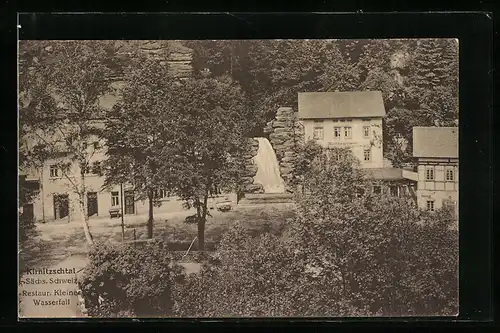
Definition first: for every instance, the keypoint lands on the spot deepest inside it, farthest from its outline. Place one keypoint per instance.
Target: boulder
(280, 130)
(254, 188)
(247, 180)
(286, 165)
(281, 124)
(287, 158)
(280, 136)
(285, 111)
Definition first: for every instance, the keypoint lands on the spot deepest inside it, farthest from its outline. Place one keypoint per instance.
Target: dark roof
(435, 142)
(384, 173)
(352, 104)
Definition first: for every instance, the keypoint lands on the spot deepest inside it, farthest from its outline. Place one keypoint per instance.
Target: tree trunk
(150, 218)
(84, 211)
(42, 195)
(85, 221)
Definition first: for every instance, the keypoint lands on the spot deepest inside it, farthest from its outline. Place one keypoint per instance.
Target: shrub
(131, 281)
(346, 253)
(385, 255)
(256, 277)
(26, 228)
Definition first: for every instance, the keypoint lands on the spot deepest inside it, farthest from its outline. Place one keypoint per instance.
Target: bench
(114, 212)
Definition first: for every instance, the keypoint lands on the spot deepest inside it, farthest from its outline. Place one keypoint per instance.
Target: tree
(60, 97)
(255, 276)
(306, 154)
(272, 72)
(372, 247)
(373, 255)
(129, 281)
(209, 133)
(140, 133)
(434, 77)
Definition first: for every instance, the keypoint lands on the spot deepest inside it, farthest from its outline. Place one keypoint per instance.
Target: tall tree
(434, 77)
(371, 246)
(140, 133)
(209, 132)
(61, 94)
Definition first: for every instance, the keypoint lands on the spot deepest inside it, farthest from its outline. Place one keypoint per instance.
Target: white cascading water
(268, 171)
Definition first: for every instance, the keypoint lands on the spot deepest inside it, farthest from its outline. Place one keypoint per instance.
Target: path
(58, 289)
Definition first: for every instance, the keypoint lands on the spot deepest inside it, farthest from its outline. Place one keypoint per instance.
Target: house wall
(357, 142)
(43, 203)
(438, 189)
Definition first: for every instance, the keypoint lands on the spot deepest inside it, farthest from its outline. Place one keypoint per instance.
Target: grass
(56, 242)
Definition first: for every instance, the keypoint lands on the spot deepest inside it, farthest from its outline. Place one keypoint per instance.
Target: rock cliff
(285, 134)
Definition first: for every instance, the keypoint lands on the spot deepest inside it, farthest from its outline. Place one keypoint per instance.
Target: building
(394, 182)
(345, 120)
(57, 188)
(435, 150)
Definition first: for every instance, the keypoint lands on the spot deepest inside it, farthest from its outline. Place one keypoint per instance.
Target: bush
(346, 253)
(131, 281)
(385, 255)
(256, 277)
(26, 228)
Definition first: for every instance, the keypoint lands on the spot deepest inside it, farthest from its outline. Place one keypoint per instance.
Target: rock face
(286, 135)
(171, 52)
(247, 182)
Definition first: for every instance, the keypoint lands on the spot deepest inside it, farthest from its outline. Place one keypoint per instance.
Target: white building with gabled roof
(345, 120)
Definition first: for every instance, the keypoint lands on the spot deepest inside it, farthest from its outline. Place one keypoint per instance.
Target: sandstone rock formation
(247, 182)
(285, 134)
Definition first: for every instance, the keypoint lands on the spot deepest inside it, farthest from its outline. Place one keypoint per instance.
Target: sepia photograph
(238, 178)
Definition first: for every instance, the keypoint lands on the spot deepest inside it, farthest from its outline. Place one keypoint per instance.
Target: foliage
(254, 277)
(132, 281)
(372, 255)
(306, 153)
(138, 133)
(209, 132)
(26, 224)
(272, 72)
(384, 255)
(62, 84)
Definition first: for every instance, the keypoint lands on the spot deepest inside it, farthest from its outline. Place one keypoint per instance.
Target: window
(429, 174)
(393, 189)
(54, 171)
(450, 175)
(366, 131)
(115, 200)
(367, 155)
(318, 129)
(336, 132)
(318, 133)
(96, 145)
(347, 132)
(430, 205)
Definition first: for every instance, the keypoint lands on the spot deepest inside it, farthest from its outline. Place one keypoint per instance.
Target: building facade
(345, 120)
(57, 198)
(435, 150)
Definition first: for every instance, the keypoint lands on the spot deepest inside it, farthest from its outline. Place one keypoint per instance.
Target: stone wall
(247, 185)
(285, 135)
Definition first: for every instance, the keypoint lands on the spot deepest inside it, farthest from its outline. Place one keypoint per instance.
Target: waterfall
(268, 170)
